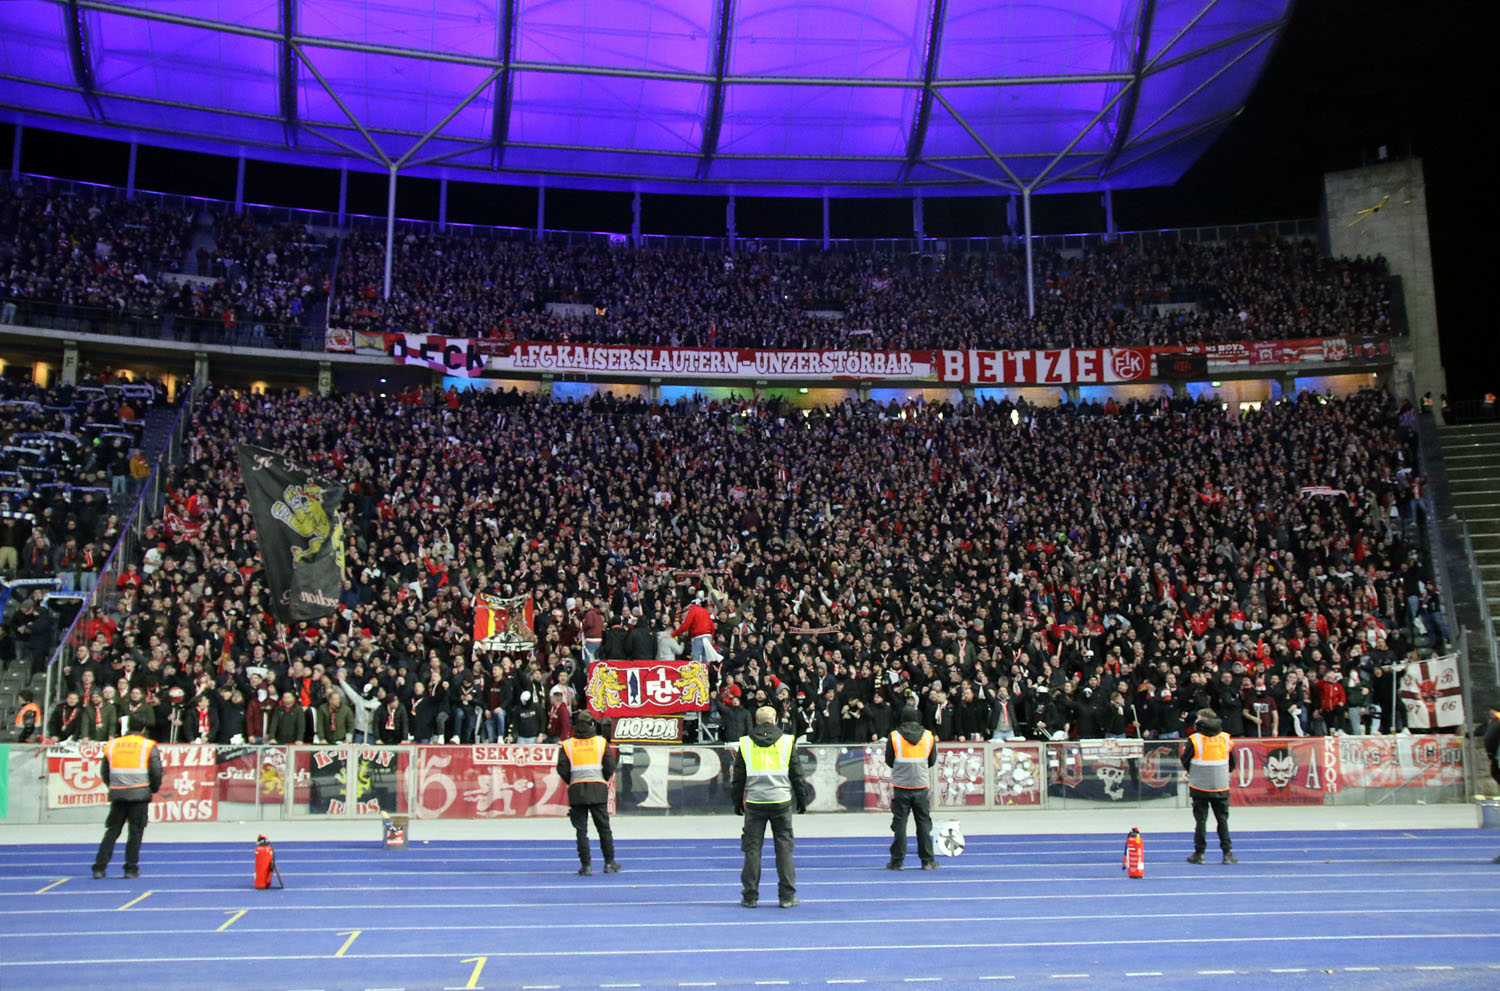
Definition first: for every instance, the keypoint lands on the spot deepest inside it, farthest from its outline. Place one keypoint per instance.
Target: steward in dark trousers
(910, 751)
(767, 786)
(1206, 758)
(586, 763)
(132, 767)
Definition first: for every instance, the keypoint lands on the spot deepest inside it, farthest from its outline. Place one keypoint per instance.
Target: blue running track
(1345, 911)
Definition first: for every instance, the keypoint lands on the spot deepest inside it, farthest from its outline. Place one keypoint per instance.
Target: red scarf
(203, 730)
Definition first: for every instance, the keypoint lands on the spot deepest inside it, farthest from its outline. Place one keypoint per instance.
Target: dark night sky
(1346, 78)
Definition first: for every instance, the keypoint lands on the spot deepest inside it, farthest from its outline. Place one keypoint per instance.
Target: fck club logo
(1129, 364)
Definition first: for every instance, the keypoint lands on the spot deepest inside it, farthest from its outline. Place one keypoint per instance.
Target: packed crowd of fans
(95, 258)
(1018, 571)
(98, 258)
(95, 254)
(476, 287)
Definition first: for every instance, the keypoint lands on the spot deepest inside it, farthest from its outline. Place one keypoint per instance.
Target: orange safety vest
(586, 759)
(910, 770)
(1210, 770)
(29, 709)
(129, 765)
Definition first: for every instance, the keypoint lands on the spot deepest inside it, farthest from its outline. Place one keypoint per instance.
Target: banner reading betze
(647, 688)
(189, 787)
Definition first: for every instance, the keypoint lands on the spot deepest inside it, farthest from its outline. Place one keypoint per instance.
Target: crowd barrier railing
(59, 783)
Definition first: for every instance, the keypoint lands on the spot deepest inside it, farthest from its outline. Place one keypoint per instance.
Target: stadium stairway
(203, 237)
(1467, 489)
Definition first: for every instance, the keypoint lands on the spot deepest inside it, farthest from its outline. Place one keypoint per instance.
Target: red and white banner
(1432, 694)
(1062, 366)
(1085, 366)
(491, 782)
(617, 689)
(1401, 761)
(189, 786)
(1301, 771)
(337, 339)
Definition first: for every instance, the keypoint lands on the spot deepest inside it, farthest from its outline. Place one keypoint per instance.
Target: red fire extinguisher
(265, 864)
(1135, 854)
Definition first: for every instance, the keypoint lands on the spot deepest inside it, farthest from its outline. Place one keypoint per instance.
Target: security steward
(1206, 758)
(586, 762)
(766, 787)
(132, 767)
(910, 751)
(28, 716)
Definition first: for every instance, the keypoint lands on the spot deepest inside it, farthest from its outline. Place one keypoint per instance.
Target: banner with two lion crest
(301, 535)
(646, 688)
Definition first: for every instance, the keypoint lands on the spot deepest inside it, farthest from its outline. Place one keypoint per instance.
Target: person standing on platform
(911, 751)
(766, 787)
(1206, 758)
(132, 768)
(586, 762)
(698, 625)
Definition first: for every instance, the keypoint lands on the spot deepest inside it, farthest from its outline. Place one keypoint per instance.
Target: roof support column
(15, 154)
(729, 229)
(826, 231)
(1030, 275)
(443, 203)
(239, 184)
(541, 211)
(130, 173)
(390, 232)
(635, 220)
(1110, 234)
(343, 193)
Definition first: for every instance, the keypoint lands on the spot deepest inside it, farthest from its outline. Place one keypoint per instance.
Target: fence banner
(617, 689)
(1401, 761)
(189, 783)
(1110, 771)
(490, 782)
(960, 772)
(1302, 771)
(4, 780)
(379, 775)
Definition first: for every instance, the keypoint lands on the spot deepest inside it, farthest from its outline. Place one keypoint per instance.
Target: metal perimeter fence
(59, 783)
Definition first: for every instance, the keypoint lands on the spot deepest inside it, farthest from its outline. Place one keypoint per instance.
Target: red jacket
(698, 622)
(1331, 695)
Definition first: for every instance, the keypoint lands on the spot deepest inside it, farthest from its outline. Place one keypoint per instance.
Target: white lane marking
(813, 948)
(31, 934)
(773, 982)
(1288, 970)
(1432, 967)
(1143, 973)
(845, 980)
(1216, 972)
(920, 980)
(697, 984)
(997, 977)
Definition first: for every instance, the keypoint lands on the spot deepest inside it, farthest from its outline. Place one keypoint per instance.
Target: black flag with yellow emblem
(301, 536)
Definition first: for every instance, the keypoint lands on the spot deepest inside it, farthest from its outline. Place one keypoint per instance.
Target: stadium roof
(757, 97)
